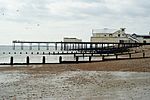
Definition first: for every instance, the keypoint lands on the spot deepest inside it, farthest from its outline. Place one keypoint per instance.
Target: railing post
(11, 60)
(28, 60)
(60, 59)
(43, 60)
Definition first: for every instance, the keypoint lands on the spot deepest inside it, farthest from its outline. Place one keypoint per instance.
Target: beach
(124, 79)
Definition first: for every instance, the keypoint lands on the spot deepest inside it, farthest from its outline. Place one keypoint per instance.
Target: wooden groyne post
(90, 58)
(28, 60)
(43, 60)
(77, 58)
(130, 55)
(103, 57)
(60, 59)
(11, 60)
(143, 54)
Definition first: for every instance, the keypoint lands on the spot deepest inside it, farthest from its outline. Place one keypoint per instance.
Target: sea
(19, 55)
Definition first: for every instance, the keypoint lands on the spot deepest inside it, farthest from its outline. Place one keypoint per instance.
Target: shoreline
(131, 65)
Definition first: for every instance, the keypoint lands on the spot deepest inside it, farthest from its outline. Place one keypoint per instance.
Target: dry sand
(109, 80)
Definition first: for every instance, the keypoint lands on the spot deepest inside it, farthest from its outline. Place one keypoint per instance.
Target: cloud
(60, 16)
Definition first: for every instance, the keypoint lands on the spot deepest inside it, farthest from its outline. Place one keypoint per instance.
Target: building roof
(105, 30)
(143, 36)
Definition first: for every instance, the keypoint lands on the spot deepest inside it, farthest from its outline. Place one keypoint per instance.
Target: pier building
(117, 36)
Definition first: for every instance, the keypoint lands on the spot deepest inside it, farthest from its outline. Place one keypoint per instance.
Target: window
(105, 35)
(118, 35)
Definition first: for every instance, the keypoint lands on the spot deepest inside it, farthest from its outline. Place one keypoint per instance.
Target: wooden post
(43, 60)
(143, 54)
(11, 60)
(116, 56)
(38, 46)
(14, 46)
(47, 46)
(55, 46)
(60, 59)
(90, 58)
(77, 58)
(61, 46)
(28, 60)
(130, 55)
(30, 46)
(21, 46)
(103, 57)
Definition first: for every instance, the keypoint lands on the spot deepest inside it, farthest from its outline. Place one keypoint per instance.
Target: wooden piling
(130, 55)
(55, 46)
(103, 57)
(60, 59)
(21, 46)
(30, 46)
(14, 47)
(143, 54)
(27, 60)
(43, 60)
(90, 58)
(11, 60)
(77, 59)
(116, 56)
(47, 46)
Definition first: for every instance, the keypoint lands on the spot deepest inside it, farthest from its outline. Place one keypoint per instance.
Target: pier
(78, 46)
(78, 50)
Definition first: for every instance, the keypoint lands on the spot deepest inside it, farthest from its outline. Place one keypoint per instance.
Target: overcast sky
(51, 20)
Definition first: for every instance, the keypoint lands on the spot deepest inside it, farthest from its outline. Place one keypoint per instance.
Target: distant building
(118, 36)
(142, 38)
(72, 40)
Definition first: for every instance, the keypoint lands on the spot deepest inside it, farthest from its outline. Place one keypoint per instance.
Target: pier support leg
(47, 46)
(14, 47)
(21, 46)
(30, 46)
(38, 46)
(55, 46)
(61, 46)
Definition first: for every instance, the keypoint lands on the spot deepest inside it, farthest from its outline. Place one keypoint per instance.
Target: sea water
(19, 55)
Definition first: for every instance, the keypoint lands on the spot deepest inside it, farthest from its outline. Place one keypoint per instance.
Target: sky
(52, 20)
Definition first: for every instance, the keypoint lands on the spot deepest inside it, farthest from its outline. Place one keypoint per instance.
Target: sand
(127, 79)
